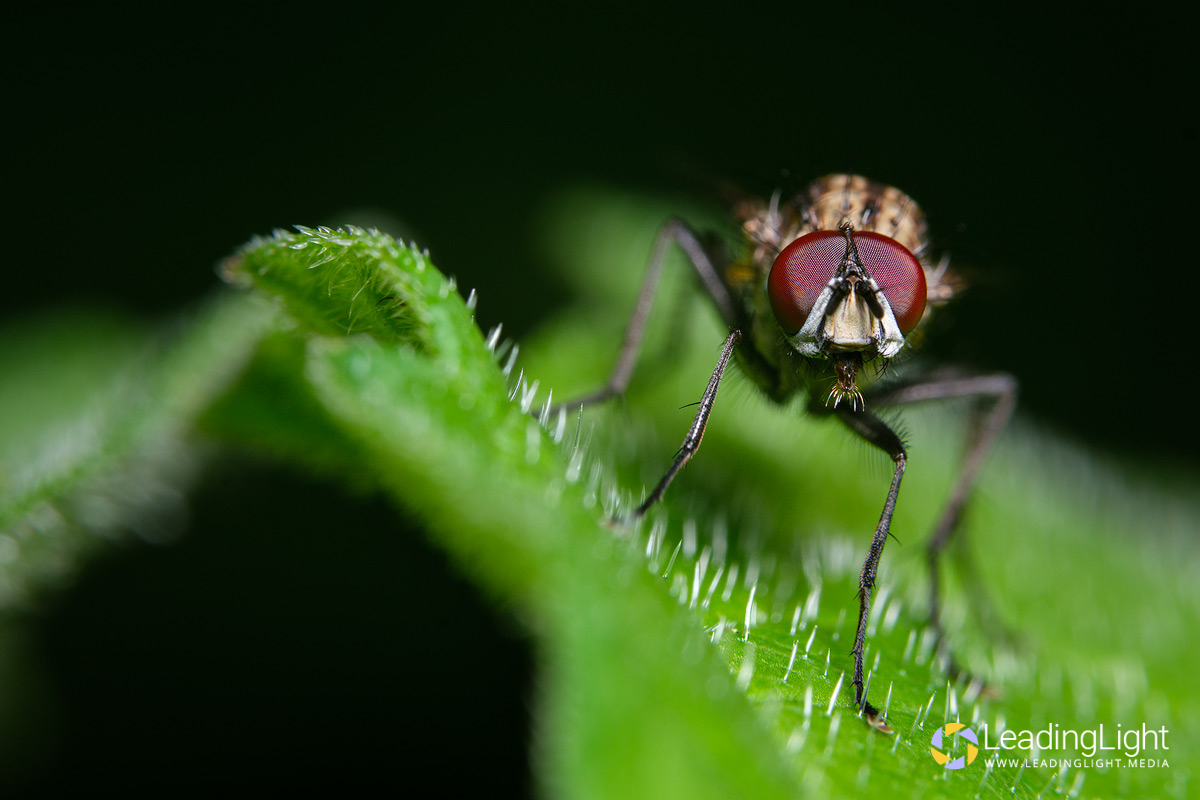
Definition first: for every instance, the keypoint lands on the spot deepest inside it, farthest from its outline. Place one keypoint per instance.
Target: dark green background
(1049, 155)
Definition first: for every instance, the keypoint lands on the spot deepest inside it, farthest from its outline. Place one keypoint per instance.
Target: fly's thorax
(868, 206)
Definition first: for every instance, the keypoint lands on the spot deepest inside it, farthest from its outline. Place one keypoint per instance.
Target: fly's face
(841, 288)
(847, 296)
(829, 301)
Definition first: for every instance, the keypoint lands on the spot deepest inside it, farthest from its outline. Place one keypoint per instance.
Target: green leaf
(757, 548)
(626, 669)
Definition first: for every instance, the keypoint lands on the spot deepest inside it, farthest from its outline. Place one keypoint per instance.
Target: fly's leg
(677, 231)
(998, 395)
(875, 431)
(691, 442)
(1002, 391)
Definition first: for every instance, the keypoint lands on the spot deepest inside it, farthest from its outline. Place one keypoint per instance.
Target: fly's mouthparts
(846, 367)
(837, 395)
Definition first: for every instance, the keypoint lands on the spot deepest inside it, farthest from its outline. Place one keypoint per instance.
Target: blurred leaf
(96, 415)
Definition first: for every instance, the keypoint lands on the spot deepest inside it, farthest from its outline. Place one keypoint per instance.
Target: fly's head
(846, 296)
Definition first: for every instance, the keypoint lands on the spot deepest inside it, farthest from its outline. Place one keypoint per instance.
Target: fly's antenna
(851, 257)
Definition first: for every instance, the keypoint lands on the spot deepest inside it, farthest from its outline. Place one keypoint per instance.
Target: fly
(827, 281)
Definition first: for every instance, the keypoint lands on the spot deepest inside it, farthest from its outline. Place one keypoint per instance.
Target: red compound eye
(804, 267)
(799, 274)
(898, 274)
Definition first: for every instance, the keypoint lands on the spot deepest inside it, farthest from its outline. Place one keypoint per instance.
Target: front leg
(691, 442)
(874, 430)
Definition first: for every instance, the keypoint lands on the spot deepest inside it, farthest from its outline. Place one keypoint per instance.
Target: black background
(1052, 156)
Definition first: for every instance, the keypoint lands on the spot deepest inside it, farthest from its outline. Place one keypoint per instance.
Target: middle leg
(996, 397)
